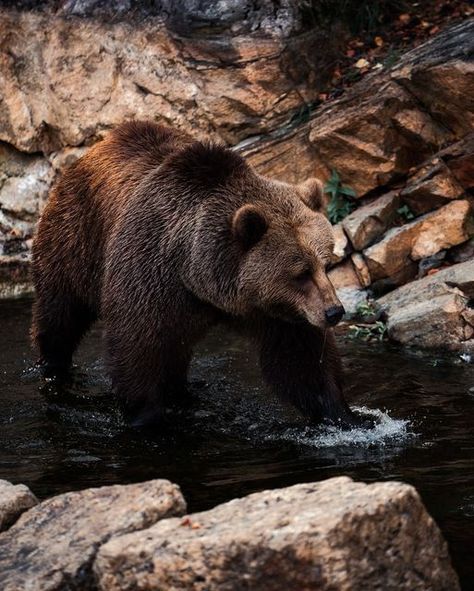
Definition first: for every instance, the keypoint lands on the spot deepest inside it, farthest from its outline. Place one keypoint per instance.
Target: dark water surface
(234, 439)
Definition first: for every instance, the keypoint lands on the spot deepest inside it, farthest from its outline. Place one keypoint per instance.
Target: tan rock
(52, 546)
(81, 76)
(425, 236)
(431, 189)
(433, 312)
(367, 134)
(341, 244)
(335, 534)
(14, 500)
(451, 225)
(361, 269)
(370, 221)
(344, 275)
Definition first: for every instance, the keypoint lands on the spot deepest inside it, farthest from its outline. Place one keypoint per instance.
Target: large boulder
(434, 312)
(333, 535)
(14, 500)
(446, 227)
(52, 546)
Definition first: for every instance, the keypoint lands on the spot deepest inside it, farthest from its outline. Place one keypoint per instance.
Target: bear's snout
(334, 314)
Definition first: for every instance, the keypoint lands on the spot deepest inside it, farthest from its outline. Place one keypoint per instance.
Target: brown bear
(162, 237)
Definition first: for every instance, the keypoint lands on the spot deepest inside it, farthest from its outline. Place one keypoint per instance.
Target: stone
(431, 189)
(67, 76)
(431, 324)
(440, 74)
(367, 223)
(425, 236)
(373, 135)
(451, 225)
(463, 252)
(15, 275)
(351, 298)
(53, 545)
(14, 500)
(433, 312)
(361, 269)
(460, 159)
(344, 275)
(341, 244)
(335, 534)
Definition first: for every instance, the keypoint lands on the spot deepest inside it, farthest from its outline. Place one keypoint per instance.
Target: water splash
(387, 430)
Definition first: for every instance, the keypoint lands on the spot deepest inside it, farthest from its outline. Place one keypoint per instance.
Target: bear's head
(285, 245)
(258, 245)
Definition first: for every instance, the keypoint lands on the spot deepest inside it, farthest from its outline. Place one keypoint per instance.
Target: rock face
(53, 545)
(14, 500)
(75, 77)
(434, 311)
(337, 534)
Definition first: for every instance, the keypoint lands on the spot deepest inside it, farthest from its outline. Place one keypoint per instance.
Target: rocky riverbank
(402, 138)
(336, 534)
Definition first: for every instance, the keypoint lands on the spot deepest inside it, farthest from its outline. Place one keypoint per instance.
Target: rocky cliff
(240, 72)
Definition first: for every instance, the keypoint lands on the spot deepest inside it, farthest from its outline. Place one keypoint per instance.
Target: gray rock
(433, 312)
(335, 535)
(53, 545)
(14, 500)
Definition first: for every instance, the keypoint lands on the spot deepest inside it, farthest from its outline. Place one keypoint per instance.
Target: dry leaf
(378, 41)
(361, 63)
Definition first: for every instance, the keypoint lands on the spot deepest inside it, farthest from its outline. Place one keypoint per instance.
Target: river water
(234, 439)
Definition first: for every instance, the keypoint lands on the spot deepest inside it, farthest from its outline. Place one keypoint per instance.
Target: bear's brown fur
(162, 236)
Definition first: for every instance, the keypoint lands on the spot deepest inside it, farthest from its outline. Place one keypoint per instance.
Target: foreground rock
(53, 545)
(334, 535)
(434, 312)
(14, 500)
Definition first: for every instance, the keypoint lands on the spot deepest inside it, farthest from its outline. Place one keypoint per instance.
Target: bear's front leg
(301, 364)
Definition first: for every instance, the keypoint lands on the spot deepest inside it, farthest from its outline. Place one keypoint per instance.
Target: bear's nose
(334, 314)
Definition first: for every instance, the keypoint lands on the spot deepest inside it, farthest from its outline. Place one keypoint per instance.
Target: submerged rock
(14, 500)
(333, 535)
(53, 545)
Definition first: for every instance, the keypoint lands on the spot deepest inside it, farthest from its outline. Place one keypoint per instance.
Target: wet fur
(140, 233)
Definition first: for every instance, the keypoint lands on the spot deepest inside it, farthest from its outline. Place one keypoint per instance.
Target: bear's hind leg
(59, 323)
(148, 370)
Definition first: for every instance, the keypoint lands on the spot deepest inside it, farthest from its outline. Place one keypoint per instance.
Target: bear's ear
(248, 225)
(312, 194)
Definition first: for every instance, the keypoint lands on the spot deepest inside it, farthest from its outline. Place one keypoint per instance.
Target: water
(233, 439)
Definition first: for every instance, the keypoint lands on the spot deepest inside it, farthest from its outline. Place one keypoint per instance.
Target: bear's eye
(304, 276)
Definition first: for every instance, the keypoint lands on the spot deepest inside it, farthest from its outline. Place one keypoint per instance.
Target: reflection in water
(231, 438)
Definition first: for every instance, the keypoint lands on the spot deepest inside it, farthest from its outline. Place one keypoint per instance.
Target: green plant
(406, 212)
(341, 203)
(367, 309)
(376, 331)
